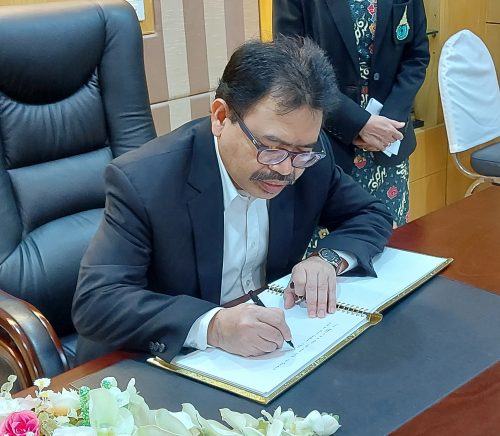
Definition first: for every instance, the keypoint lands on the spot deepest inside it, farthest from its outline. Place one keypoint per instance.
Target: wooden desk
(472, 410)
(468, 231)
(65, 379)
(470, 226)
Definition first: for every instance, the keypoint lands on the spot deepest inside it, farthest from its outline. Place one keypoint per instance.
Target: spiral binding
(350, 308)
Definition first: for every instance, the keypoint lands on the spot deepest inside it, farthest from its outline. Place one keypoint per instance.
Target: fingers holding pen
(248, 330)
(274, 327)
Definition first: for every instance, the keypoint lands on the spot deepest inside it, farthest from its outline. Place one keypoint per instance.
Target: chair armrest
(28, 335)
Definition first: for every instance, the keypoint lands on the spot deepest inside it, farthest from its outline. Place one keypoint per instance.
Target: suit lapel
(384, 8)
(342, 16)
(281, 217)
(207, 213)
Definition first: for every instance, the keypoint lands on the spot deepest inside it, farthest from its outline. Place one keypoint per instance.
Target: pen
(255, 298)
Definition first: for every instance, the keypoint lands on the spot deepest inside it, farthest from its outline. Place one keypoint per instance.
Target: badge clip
(403, 29)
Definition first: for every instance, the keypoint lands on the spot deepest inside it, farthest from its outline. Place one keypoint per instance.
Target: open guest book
(360, 303)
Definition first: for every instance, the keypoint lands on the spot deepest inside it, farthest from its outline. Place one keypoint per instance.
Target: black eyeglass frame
(316, 156)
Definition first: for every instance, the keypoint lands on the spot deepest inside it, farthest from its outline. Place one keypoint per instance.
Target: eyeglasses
(274, 156)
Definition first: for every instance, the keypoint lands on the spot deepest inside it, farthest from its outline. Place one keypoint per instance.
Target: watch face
(330, 256)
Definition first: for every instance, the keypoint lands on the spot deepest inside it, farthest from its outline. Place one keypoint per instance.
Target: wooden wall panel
(427, 194)
(492, 40)
(427, 105)
(493, 12)
(196, 39)
(154, 60)
(462, 14)
(23, 2)
(169, 115)
(431, 153)
(428, 171)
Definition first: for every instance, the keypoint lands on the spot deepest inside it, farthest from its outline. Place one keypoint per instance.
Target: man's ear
(219, 113)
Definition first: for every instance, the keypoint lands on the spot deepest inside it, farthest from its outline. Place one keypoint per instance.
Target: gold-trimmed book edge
(252, 395)
(372, 318)
(417, 284)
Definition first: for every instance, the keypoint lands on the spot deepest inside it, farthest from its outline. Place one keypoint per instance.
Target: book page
(312, 337)
(397, 270)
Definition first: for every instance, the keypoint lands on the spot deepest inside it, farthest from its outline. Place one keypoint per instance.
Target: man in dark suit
(221, 206)
(398, 61)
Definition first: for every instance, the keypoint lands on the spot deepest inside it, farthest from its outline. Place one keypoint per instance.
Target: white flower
(322, 424)
(74, 431)
(62, 420)
(8, 406)
(122, 398)
(112, 411)
(7, 386)
(42, 383)
(206, 426)
(124, 424)
(174, 423)
(239, 421)
(250, 431)
(63, 402)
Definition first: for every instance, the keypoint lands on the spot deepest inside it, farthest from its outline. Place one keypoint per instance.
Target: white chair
(470, 96)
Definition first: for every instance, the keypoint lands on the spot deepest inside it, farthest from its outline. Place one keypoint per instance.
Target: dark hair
(295, 72)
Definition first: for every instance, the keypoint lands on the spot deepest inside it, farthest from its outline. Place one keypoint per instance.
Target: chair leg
(473, 186)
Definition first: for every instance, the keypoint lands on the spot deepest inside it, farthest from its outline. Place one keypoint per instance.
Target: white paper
(374, 107)
(396, 270)
(263, 374)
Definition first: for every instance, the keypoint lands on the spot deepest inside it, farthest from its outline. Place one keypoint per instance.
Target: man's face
(295, 131)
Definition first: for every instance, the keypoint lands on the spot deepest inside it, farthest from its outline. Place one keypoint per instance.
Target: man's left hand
(316, 280)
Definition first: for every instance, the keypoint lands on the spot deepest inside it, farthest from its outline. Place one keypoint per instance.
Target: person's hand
(316, 280)
(379, 132)
(248, 330)
(358, 142)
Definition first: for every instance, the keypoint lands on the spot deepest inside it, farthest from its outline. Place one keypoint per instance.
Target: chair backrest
(469, 90)
(73, 96)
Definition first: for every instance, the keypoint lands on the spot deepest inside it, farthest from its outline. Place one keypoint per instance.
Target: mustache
(270, 176)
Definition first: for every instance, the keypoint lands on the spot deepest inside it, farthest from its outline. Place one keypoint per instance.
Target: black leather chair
(73, 96)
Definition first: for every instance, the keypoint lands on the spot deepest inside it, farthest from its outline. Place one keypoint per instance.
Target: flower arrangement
(108, 411)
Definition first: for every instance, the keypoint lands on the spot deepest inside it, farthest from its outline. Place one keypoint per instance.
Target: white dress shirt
(246, 231)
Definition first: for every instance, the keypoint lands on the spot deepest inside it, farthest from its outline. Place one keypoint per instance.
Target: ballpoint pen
(255, 298)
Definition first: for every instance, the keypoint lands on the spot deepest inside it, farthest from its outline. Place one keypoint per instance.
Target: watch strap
(330, 256)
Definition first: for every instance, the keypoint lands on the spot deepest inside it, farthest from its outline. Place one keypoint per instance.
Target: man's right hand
(379, 132)
(248, 330)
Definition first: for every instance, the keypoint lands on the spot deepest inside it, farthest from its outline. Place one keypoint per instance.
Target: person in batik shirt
(380, 52)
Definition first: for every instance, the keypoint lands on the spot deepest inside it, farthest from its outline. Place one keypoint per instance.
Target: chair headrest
(469, 91)
(51, 49)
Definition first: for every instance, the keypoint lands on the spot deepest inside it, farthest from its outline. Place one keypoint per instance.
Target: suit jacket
(155, 264)
(397, 67)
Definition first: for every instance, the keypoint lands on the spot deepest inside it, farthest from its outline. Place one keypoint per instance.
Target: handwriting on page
(308, 342)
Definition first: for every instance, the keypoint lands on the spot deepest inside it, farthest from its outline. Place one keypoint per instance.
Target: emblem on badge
(403, 29)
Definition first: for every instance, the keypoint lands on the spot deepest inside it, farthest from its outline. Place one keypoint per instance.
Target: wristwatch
(330, 256)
